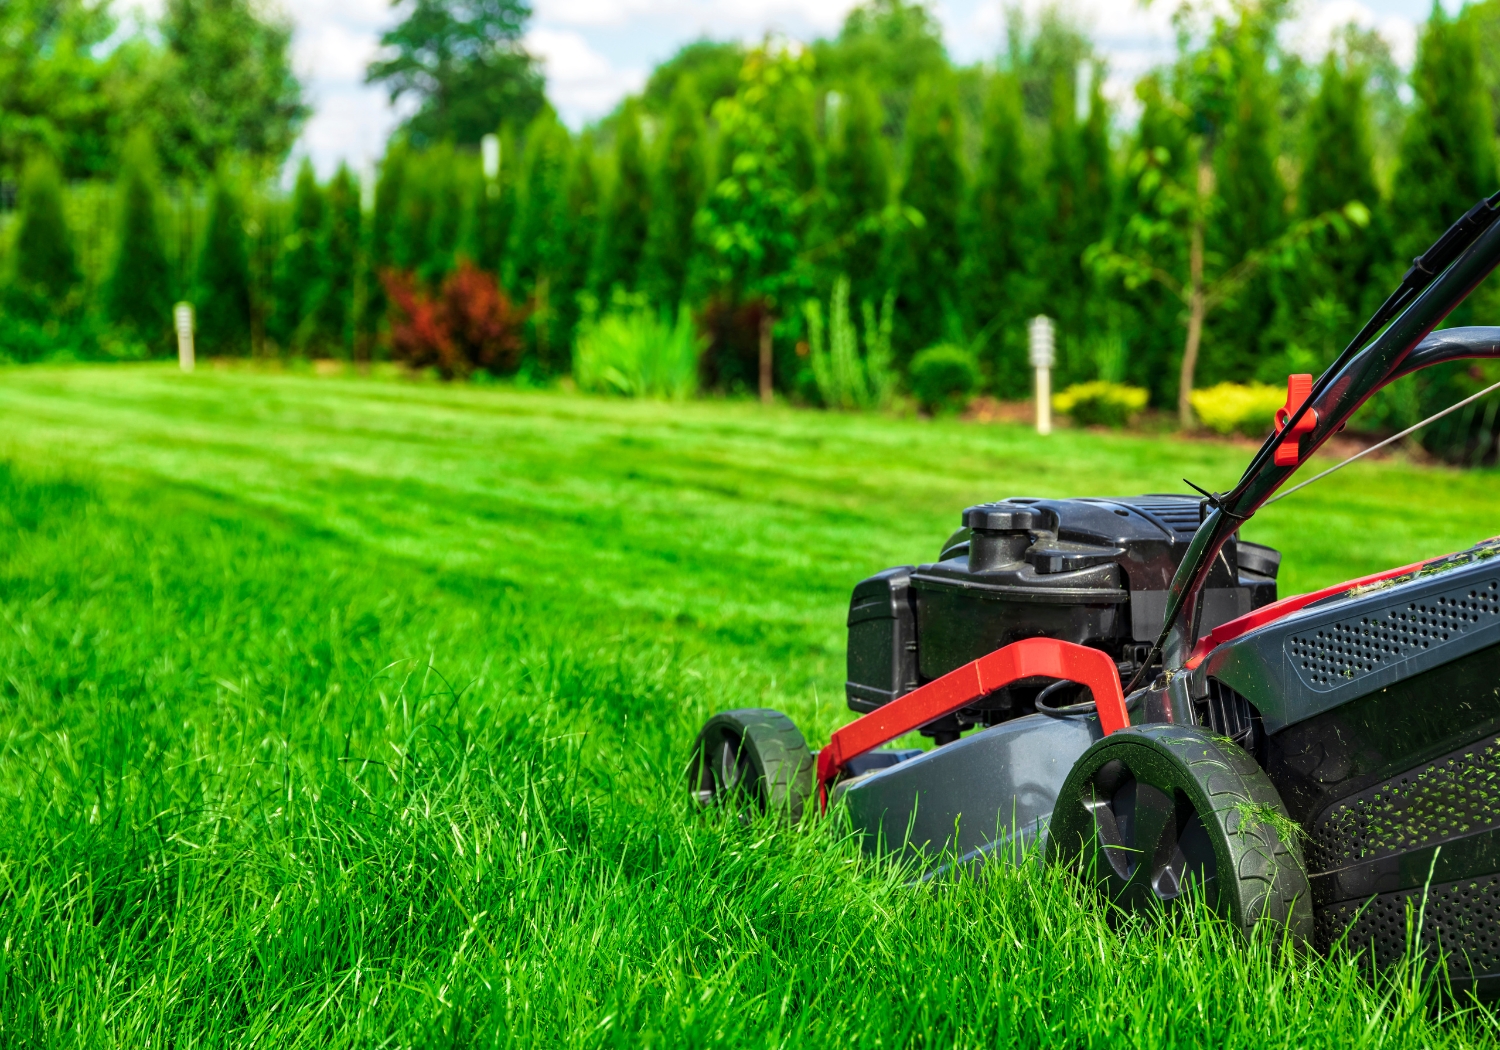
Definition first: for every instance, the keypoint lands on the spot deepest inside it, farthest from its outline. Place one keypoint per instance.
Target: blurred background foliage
(142, 163)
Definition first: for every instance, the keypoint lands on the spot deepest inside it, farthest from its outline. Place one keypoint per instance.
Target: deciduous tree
(222, 87)
(463, 61)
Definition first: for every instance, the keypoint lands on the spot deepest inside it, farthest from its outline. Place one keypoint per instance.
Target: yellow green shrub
(1100, 403)
(1243, 408)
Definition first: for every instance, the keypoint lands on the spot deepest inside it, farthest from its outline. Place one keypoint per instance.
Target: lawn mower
(1114, 683)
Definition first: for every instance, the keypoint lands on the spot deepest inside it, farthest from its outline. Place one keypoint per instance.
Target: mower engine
(1094, 572)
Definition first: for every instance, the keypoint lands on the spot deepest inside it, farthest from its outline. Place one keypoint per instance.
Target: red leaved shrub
(469, 324)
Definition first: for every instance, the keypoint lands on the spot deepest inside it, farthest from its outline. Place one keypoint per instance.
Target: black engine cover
(1090, 571)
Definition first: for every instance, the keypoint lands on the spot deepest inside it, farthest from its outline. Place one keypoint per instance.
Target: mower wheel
(1148, 810)
(753, 758)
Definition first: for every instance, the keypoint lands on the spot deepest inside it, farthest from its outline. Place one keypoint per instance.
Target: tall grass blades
(356, 716)
(845, 379)
(634, 351)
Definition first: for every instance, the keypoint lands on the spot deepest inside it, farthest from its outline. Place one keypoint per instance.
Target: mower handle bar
(1440, 279)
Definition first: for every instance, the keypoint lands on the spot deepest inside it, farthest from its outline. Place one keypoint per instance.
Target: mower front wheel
(752, 759)
(1150, 810)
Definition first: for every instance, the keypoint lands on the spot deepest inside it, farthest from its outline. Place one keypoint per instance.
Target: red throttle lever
(1289, 449)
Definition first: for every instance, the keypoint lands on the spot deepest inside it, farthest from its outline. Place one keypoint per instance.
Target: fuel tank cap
(1003, 517)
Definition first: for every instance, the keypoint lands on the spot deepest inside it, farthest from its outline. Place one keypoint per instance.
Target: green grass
(350, 713)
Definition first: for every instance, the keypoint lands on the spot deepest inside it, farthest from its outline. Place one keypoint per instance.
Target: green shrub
(84, 336)
(1244, 408)
(944, 377)
(633, 351)
(1101, 403)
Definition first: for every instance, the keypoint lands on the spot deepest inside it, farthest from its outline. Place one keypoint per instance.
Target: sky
(595, 52)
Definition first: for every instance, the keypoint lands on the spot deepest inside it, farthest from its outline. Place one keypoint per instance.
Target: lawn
(341, 712)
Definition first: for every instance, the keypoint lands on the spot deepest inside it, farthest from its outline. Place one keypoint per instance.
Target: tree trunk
(765, 356)
(1196, 304)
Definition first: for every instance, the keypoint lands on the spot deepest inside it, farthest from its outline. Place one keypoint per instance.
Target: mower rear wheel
(752, 759)
(1149, 810)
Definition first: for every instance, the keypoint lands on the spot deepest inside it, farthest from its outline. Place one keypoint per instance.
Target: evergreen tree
(928, 256)
(503, 199)
(1337, 161)
(298, 270)
(334, 301)
(622, 234)
(1342, 281)
(1063, 278)
(1097, 221)
(1447, 163)
(540, 231)
(1447, 159)
(582, 208)
(1162, 157)
(859, 190)
(681, 180)
(46, 267)
(223, 293)
(137, 294)
(380, 253)
(795, 111)
(895, 43)
(1081, 184)
(446, 182)
(1251, 213)
(1003, 230)
(1096, 199)
(411, 245)
(490, 202)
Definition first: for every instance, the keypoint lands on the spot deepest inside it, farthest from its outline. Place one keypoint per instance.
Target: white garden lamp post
(1042, 346)
(489, 155)
(182, 320)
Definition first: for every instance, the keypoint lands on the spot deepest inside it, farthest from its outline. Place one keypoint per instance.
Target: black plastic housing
(1090, 571)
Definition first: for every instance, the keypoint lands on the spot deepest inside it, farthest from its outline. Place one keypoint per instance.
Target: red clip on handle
(1289, 450)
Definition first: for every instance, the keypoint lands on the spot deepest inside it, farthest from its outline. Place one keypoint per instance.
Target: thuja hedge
(979, 196)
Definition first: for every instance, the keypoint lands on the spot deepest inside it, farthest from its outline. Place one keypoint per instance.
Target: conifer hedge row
(979, 200)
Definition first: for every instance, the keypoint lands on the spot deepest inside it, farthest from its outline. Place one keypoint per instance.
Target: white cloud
(335, 52)
(720, 18)
(581, 82)
(1311, 34)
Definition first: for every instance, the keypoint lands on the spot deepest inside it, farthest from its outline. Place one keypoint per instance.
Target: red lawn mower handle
(1028, 658)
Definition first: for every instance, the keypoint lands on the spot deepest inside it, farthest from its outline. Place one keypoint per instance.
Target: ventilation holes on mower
(1461, 919)
(1458, 794)
(1342, 652)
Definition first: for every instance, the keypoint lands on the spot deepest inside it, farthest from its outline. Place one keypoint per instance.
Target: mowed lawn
(337, 712)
